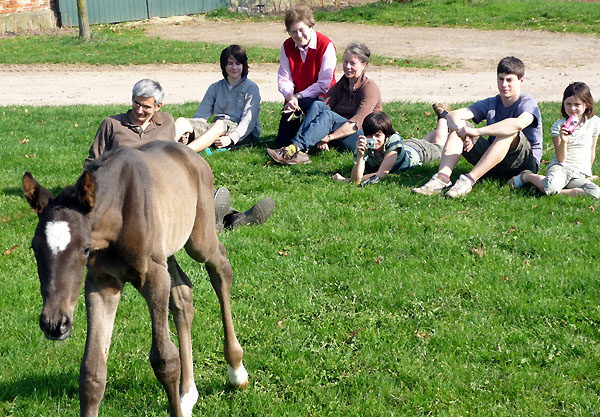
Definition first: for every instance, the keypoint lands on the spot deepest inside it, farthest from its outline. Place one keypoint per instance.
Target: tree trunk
(84, 25)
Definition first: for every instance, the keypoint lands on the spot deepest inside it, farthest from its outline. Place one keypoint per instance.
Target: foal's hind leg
(221, 276)
(163, 353)
(182, 307)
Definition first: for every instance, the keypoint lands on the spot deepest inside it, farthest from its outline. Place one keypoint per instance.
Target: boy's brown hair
(511, 65)
(378, 121)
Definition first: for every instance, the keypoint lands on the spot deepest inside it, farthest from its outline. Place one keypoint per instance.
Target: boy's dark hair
(582, 92)
(376, 121)
(511, 65)
(238, 53)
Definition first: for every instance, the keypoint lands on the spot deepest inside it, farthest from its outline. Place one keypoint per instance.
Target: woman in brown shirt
(337, 120)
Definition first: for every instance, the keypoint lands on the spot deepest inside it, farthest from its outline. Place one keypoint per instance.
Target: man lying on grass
(144, 122)
(514, 130)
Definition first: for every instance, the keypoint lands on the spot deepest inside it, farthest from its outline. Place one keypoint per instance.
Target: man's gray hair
(361, 51)
(148, 88)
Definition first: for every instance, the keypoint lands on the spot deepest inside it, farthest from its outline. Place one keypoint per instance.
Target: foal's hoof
(238, 377)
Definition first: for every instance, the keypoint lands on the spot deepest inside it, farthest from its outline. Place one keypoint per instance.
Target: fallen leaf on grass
(24, 140)
(577, 221)
(267, 163)
(30, 156)
(351, 337)
(11, 250)
(505, 278)
(592, 208)
(378, 260)
(283, 253)
(481, 251)
(76, 125)
(280, 323)
(423, 335)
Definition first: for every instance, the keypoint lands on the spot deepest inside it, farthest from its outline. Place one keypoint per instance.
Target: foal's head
(61, 244)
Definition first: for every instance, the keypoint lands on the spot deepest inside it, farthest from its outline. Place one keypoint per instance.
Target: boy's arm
(457, 118)
(503, 128)
(386, 165)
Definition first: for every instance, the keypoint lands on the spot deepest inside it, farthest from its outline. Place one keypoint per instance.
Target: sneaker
(518, 183)
(462, 186)
(222, 201)
(433, 186)
(441, 109)
(258, 214)
(289, 155)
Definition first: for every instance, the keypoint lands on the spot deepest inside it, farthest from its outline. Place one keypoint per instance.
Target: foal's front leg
(163, 353)
(102, 297)
(182, 307)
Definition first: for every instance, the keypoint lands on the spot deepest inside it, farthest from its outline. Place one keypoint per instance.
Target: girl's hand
(223, 142)
(361, 145)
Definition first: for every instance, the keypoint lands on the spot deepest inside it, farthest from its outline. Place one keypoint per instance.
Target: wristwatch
(298, 95)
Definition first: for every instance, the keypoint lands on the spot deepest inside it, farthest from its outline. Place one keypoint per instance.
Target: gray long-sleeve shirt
(240, 104)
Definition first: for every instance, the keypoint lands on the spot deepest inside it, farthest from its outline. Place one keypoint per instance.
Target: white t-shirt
(579, 147)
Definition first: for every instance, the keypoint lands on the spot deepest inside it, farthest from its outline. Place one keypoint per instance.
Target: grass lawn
(348, 302)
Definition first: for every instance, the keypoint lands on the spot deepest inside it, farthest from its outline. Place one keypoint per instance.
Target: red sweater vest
(306, 73)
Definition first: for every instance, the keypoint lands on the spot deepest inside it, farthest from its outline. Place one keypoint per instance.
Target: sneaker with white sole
(433, 186)
(222, 201)
(462, 186)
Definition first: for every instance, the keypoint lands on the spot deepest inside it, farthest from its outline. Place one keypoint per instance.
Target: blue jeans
(318, 123)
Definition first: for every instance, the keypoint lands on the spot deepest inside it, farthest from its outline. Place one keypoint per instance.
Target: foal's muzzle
(56, 330)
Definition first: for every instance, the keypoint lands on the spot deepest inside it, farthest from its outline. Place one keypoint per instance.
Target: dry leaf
(11, 250)
(577, 221)
(351, 337)
(481, 251)
(26, 110)
(378, 260)
(76, 125)
(24, 140)
(280, 323)
(505, 278)
(592, 208)
(283, 253)
(423, 335)
(30, 156)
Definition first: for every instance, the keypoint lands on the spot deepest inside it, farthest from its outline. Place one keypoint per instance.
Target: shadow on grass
(18, 191)
(41, 385)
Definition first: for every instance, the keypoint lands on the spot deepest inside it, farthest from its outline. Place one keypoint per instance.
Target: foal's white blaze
(58, 236)
(238, 376)
(188, 400)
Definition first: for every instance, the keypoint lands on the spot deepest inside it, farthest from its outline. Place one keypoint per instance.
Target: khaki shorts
(515, 161)
(428, 152)
(200, 126)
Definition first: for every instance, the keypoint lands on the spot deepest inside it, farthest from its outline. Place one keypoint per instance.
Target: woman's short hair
(148, 88)
(360, 50)
(582, 92)
(299, 14)
(378, 121)
(238, 53)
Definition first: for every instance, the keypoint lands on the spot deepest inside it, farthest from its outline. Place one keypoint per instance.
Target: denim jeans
(318, 123)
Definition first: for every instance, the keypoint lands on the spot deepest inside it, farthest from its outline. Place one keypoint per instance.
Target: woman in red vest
(306, 71)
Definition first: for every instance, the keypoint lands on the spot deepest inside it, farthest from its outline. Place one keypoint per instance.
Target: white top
(579, 147)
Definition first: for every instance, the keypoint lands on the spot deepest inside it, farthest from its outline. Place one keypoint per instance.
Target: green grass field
(348, 302)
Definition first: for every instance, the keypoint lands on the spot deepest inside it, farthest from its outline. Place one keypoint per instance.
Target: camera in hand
(371, 143)
(571, 124)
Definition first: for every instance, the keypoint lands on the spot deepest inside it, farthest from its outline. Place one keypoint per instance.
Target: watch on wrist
(298, 95)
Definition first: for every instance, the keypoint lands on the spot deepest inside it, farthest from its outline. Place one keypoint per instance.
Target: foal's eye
(86, 251)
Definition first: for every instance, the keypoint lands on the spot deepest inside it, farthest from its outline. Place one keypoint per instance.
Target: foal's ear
(36, 195)
(86, 191)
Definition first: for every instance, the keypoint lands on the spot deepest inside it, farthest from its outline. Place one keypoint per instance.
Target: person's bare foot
(337, 177)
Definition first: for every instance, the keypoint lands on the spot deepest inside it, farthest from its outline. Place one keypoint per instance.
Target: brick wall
(14, 6)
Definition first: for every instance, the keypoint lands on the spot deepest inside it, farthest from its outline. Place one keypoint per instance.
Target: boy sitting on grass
(382, 150)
